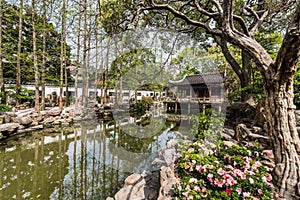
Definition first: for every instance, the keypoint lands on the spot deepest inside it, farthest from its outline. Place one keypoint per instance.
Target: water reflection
(89, 162)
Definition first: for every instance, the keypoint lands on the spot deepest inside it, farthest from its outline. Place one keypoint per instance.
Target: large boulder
(9, 127)
(26, 120)
(54, 111)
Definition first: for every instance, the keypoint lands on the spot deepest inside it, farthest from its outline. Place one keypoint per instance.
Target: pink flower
(229, 180)
(270, 185)
(187, 157)
(269, 177)
(199, 168)
(193, 162)
(221, 172)
(209, 177)
(193, 180)
(259, 191)
(188, 188)
(203, 189)
(218, 182)
(228, 191)
(246, 194)
(251, 144)
(191, 150)
(238, 172)
(186, 166)
(185, 194)
(251, 180)
(239, 190)
(197, 188)
(229, 167)
(190, 198)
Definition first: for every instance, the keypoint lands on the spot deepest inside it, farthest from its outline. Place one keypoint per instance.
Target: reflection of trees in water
(137, 138)
(89, 163)
(33, 170)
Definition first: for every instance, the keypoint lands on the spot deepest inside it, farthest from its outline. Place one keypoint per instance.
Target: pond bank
(28, 120)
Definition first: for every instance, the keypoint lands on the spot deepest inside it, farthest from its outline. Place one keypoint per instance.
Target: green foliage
(233, 172)
(10, 42)
(297, 88)
(256, 89)
(144, 105)
(207, 125)
(25, 95)
(4, 108)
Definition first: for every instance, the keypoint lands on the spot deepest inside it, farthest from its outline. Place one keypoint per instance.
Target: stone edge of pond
(29, 120)
(157, 183)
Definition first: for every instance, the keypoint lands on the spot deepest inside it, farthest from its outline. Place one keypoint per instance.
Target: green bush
(230, 173)
(4, 108)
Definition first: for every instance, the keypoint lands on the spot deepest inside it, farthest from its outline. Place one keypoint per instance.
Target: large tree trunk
(282, 130)
(246, 75)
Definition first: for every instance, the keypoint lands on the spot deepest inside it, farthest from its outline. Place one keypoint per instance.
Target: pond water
(87, 161)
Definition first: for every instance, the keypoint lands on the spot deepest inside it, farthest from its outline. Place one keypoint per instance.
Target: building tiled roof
(212, 78)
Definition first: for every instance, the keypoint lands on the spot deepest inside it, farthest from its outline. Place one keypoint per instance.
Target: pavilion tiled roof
(212, 78)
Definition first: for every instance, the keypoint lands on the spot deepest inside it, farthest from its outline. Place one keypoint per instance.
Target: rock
(7, 118)
(54, 111)
(169, 156)
(167, 180)
(110, 198)
(268, 154)
(260, 138)
(241, 132)
(132, 179)
(26, 120)
(172, 143)
(298, 129)
(38, 127)
(157, 164)
(123, 193)
(9, 127)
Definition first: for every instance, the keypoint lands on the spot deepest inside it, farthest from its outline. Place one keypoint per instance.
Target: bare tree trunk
(88, 61)
(18, 81)
(84, 59)
(62, 53)
(77, 58)
(44, 55)
(35, 61)
(97, 60)
(2, 90)
(105, 73)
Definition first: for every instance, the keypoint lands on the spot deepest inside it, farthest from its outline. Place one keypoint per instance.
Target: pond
(87, 161)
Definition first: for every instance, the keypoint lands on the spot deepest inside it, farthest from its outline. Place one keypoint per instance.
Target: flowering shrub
(230, 173)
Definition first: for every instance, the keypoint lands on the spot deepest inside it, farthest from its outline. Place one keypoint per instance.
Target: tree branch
(178, 14)
(290, 48)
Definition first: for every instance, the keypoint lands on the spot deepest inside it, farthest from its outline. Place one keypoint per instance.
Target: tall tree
(35, 59)
(62, 53)
(44, 54)
(1, 57)
(77, 57)
(18, 81)
(84, 59)
(235, 22)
